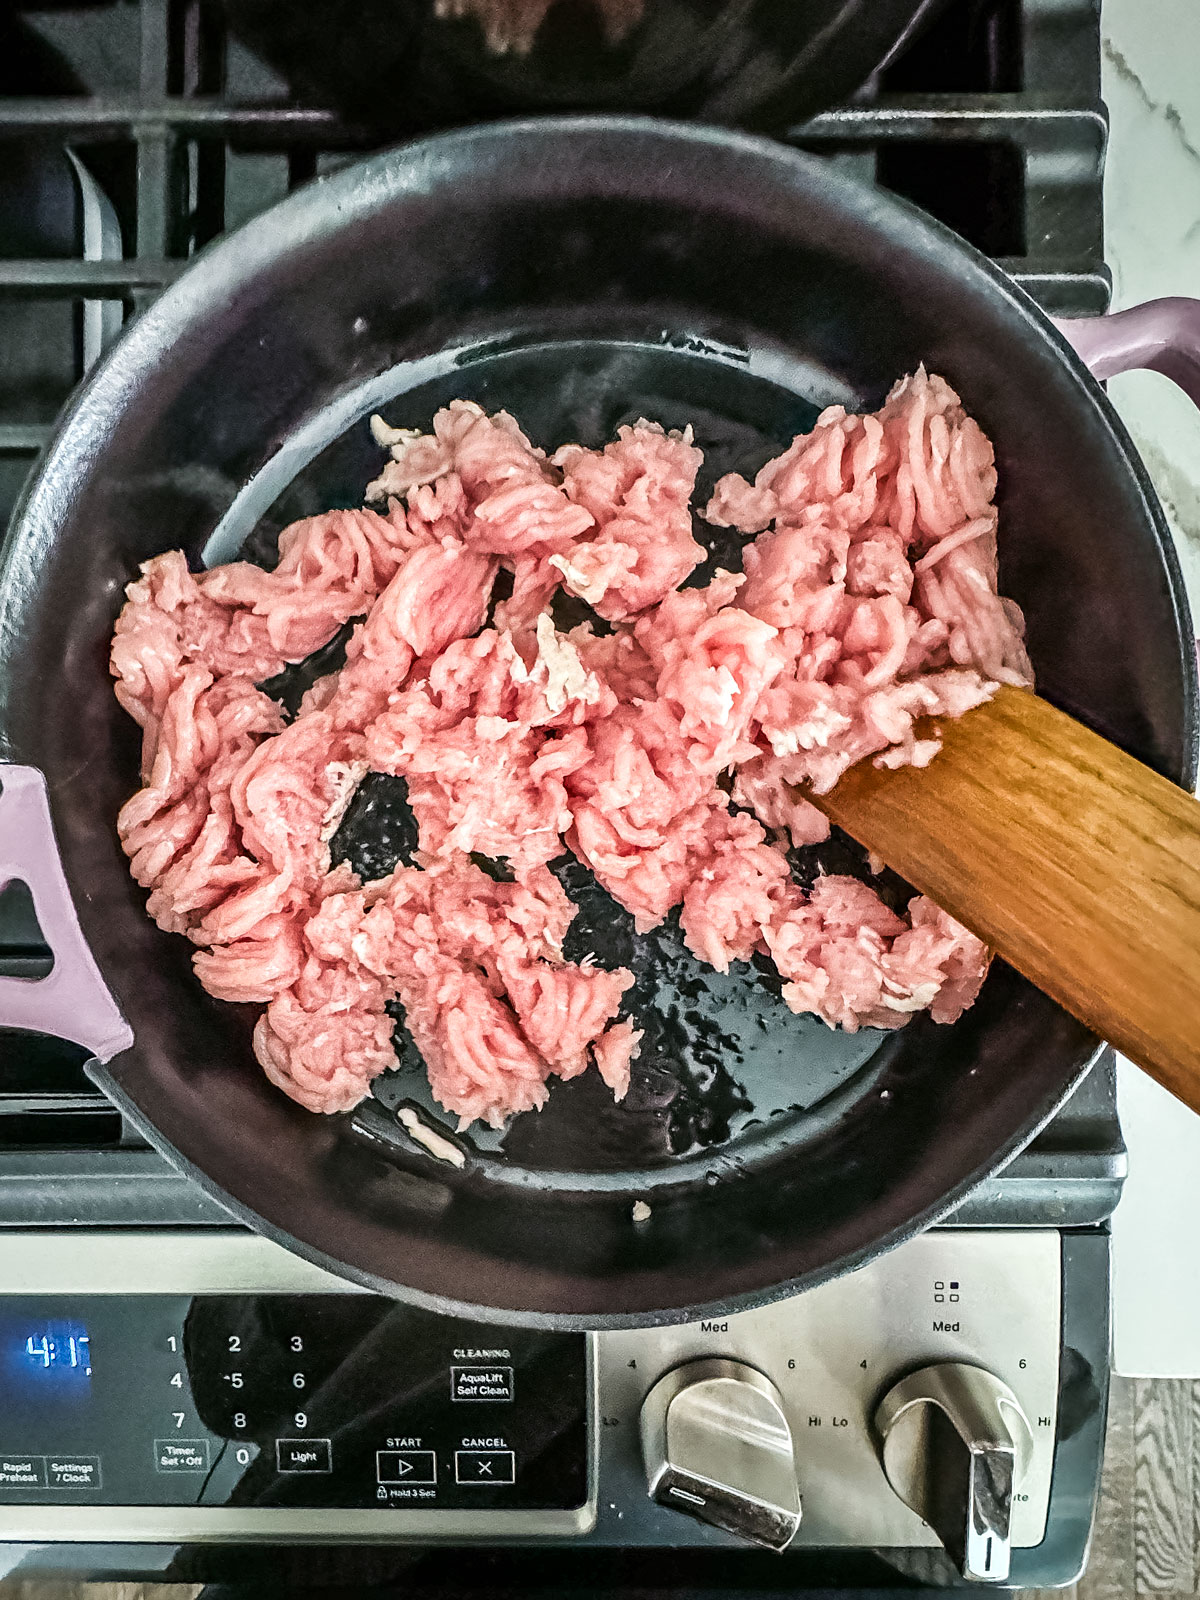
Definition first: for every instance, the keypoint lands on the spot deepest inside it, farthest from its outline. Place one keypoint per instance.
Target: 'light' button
(303, 1455)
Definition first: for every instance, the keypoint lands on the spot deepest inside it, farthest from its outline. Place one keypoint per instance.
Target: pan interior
(727, 1077)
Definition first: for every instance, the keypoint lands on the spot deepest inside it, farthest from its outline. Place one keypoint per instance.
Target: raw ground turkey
(657, 741)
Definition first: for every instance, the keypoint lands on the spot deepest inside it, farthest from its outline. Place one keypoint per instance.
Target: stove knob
(955, 1444)
(717, 1445)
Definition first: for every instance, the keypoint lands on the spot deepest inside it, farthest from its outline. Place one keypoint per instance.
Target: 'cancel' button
(73, 1472)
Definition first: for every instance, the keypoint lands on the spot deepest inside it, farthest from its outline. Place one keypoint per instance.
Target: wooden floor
(1148, 1528)
(1147, 1532)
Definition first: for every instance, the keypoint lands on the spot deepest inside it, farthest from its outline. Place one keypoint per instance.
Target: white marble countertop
(1152, 218)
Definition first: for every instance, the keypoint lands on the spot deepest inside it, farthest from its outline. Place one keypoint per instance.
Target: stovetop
(136, 131)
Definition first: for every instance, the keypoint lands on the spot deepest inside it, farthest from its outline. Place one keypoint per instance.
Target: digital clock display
(59, 1348)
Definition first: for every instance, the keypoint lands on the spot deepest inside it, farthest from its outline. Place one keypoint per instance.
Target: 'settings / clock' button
(73, 1472)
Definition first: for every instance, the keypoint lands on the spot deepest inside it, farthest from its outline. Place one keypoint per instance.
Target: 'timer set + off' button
(303, 1455)
(181, 1455)
(485, 1466)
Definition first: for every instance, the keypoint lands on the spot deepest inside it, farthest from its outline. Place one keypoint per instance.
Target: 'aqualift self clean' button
(481, 1383)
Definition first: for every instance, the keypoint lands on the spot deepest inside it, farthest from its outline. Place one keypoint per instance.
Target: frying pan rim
(572, 1321)
(230, 264)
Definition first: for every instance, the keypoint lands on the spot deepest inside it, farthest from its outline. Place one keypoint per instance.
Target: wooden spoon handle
(1072, 860)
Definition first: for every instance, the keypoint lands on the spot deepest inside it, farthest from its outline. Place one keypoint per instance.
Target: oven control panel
(250, 1390)
(284, 1400)
(208, 1386)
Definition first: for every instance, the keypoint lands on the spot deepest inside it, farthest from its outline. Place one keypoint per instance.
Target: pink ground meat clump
(664, 751)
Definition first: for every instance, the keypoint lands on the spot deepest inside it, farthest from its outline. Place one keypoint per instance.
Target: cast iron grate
(991, 120)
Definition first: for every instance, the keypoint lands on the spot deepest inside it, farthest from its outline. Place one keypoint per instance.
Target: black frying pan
(580, 272)
(409, 65)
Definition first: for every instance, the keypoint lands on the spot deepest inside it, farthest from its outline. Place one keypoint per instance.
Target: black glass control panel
(322, 1400)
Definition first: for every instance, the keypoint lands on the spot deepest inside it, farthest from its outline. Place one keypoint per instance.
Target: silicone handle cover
(73, 1001)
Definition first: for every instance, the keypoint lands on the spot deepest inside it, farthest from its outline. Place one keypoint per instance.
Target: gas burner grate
(991, 120)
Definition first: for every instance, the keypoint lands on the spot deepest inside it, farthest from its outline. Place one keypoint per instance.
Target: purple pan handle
(1161, 335)
(73, 1001)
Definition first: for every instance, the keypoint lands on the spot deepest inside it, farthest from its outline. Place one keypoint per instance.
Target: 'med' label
(481, 1383)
